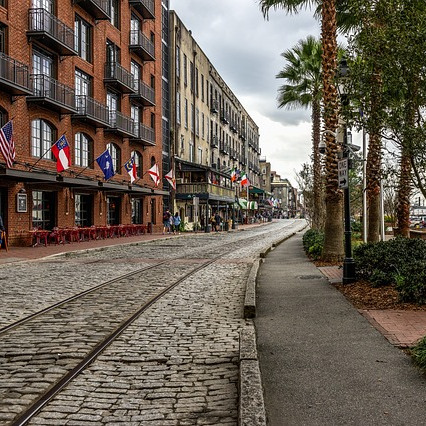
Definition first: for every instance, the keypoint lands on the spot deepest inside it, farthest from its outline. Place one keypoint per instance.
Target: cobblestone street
(177, 364)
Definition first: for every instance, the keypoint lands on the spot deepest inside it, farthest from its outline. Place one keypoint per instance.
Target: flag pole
(32, 166)
(91, 164)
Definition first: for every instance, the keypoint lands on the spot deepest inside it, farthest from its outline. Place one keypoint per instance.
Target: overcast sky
(246, 51)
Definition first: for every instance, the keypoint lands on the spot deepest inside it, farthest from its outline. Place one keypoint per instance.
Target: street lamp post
(348, 262)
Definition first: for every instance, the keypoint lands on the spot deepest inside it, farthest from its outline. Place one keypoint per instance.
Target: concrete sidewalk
(322, 362)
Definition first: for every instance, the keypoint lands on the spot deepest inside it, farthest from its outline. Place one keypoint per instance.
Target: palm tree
(303, 89)
(333, 241)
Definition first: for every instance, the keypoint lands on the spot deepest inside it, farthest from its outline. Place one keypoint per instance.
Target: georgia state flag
(61, 151)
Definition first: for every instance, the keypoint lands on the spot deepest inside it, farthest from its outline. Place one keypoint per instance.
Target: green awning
(255, 190)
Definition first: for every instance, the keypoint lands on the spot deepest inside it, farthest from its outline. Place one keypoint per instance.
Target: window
(83, 150)
(202, 88)
(137, 157)
(83, 38)
(113, 105)
(191, 151)
(192, 117)
(197, 122)
(43, 211)
(135, 30)
(115, 152)
(185, 70)
(2, 37)
(202, 125)
(42, 69)
(152, 120)
(178, 116)
(135, 70)
(186, 113)
(196, 83)
(115, 13)
(135, 114)
(177, 62)
(200, 155)
(83, 210)
(112, 53)
(191, 75)
(43, 4)
(3, 117)
(83, 83)
(42, 138)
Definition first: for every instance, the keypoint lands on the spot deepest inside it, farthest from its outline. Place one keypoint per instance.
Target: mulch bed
(363, 296)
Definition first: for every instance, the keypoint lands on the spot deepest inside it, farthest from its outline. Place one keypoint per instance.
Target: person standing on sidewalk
(166, 222)
(176, 223)
(217, 220)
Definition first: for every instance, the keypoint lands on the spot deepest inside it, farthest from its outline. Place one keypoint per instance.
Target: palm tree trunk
(333, 232)
(317, 220)
(374, 161)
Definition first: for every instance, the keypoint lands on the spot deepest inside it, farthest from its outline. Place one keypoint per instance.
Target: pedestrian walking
(166, 221)
(217, 220)
(176, 223)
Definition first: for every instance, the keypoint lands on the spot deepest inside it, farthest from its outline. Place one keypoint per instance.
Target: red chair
(57, 236)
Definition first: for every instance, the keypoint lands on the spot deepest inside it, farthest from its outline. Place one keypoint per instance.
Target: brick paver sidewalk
(401, 328)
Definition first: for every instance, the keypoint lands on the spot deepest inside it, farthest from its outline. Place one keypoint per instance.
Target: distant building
(212, 133)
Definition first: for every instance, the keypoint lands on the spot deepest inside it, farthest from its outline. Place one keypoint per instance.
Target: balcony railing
(214, 141)
(99, 9)
(214, 106)
(224, 117)
(141, 45)
(92, 111)
(204, 188)
(144, 7)
(145, 95)
(119, 77)
(145, 135)
(52, 93)
(14, 76)
(121, 124)
(52, 32)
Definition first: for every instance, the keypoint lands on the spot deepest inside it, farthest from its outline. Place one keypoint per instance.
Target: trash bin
(208, 228)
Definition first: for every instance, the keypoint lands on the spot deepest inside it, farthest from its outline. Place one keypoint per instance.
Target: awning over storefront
(255, 190)
(77, 182)
(242, 203)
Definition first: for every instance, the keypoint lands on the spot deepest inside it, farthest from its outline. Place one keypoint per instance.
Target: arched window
(42, 138)
(83, 150)
(137, 156)
(115, 152)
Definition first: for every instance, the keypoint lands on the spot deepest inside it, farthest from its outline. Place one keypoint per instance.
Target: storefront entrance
(113, 206)
(43, 209)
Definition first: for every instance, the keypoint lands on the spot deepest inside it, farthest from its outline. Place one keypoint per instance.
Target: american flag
(7, 146)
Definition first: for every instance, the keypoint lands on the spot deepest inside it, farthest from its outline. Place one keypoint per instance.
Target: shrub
(419, 353)
(399, 262)
(313, 242)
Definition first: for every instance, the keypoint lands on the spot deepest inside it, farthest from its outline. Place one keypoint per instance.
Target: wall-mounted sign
(21, 202)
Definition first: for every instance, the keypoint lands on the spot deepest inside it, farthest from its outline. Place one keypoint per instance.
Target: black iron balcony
(52, 32)
(141, 45)
(214, 106)
(144, 7)
(243, 133)
(51, 93)
(214, 141)
(91, 111)
(145, 135)
(224, 117)
(233, 126)
(121, 124)
(119, 77)
(145, 95)
(99, 9)
(14, 76)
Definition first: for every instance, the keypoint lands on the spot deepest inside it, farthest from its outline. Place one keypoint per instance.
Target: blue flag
(105, 163)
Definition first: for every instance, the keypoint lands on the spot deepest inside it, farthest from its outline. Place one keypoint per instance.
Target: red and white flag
(170, 178)
(7, 145)
(244, 180)
(61, 150)
(155, 174)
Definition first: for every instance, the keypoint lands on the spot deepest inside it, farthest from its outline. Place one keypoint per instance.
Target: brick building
(92, 70)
